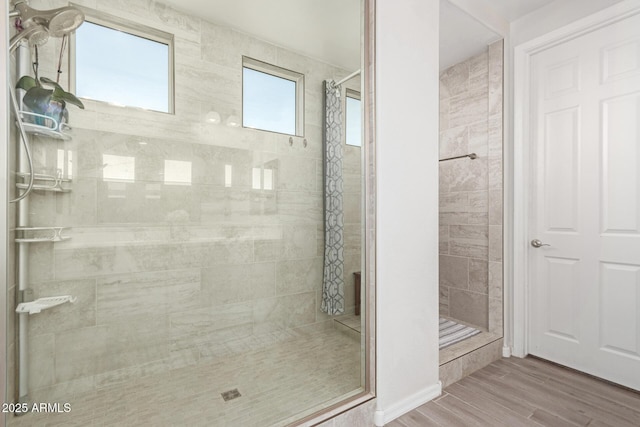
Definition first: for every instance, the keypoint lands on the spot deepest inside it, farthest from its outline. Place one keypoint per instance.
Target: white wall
(407, 225)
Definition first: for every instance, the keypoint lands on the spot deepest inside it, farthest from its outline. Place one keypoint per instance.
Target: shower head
(59, 22)
(65, 20)
(36, 35)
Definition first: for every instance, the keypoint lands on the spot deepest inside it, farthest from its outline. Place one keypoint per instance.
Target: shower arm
(15, 12)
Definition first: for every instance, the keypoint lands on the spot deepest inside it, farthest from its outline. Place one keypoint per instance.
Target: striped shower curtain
(333, 282)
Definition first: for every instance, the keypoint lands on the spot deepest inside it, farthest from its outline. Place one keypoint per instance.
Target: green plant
(48, 102)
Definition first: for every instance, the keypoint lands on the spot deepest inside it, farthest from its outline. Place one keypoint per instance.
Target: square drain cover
(231, 394)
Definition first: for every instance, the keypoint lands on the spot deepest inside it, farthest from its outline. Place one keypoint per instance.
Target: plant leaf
(26, 83)
(51, 83)
(37, 99)
(72, 99)
(59, 94)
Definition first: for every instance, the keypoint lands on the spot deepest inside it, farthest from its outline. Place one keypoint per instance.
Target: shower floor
(309, 370)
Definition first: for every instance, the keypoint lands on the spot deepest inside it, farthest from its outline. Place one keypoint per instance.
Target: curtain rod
(471, 156)
(349, 77)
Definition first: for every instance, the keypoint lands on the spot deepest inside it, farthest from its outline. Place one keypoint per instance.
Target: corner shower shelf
(35, 307)
(50, 128)
(38, 235)
(54, 186)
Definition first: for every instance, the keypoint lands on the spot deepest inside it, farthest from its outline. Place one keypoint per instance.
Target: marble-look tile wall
(471, 190)
(169, 274)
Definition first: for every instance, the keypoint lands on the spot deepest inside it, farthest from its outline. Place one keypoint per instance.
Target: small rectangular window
(122, 63)
(353, 119)
(272, 98)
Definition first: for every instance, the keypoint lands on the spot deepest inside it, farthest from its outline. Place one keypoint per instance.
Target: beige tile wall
(471, 190)
(166, 275)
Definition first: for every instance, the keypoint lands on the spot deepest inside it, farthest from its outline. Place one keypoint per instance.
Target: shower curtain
(333, 282)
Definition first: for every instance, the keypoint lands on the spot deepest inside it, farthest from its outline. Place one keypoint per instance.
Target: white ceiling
(514, 9)
(328, 29)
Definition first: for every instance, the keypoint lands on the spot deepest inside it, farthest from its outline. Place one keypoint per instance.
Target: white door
(584, 300)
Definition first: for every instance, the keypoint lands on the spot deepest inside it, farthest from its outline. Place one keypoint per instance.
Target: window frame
(353, 94)
(135, 29)
(283, 73)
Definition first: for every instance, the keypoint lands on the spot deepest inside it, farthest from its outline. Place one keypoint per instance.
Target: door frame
(522, 178)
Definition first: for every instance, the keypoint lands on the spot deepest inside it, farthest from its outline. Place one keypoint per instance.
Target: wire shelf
(51, 183)
(41, 125)
(41, 235)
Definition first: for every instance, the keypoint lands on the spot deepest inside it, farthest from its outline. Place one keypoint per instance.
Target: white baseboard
(506, 351)
(378, 418)
(382, 417)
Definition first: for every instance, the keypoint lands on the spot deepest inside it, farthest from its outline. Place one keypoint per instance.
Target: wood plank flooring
(528, 392)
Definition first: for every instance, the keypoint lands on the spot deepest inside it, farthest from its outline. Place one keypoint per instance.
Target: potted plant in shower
(47, 98)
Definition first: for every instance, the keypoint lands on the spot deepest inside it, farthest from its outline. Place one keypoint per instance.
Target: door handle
(538, 244)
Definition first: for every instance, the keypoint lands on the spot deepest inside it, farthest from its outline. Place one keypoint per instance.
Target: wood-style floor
(528, 392)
